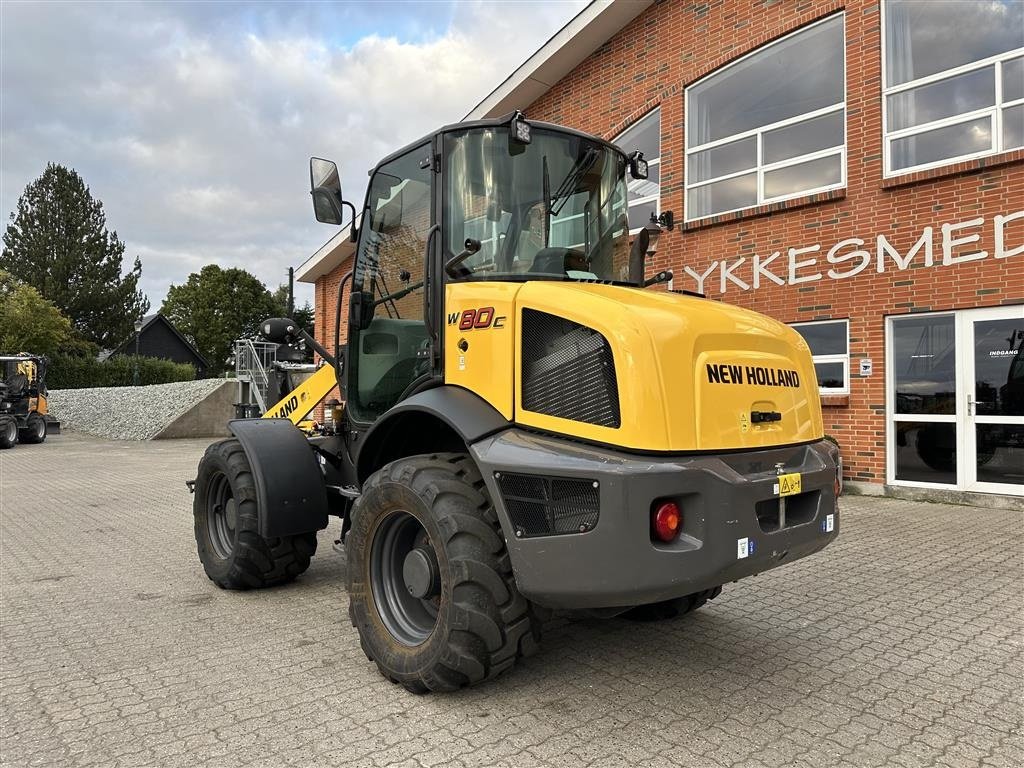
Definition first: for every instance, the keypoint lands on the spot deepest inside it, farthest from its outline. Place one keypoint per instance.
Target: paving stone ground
(900, 645)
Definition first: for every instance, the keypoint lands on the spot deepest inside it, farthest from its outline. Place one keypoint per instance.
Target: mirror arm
(353, 232)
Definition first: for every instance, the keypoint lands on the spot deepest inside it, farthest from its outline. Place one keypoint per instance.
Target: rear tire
(671, 609)
(232, 552)
(8, 432)
(34, 431)
(430, 584)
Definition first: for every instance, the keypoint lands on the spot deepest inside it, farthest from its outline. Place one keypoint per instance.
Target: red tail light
(667, 521)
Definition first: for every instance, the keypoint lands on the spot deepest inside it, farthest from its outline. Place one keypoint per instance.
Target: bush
(74, 372)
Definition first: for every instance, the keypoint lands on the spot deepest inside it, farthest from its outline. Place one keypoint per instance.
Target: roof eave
(328, 257)
(568, 48)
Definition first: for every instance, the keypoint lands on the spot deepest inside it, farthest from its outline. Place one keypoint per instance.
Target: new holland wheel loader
(525, 426)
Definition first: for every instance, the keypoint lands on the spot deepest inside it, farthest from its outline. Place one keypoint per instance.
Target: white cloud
(194, 122)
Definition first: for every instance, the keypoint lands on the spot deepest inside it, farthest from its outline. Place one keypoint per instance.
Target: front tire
(35, 430)
(232, 552)
(431, 589)
(8, 432)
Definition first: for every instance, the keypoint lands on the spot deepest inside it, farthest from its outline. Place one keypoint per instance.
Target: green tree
(58, 243)
(216, 306)
(303, 315)
(28, 322)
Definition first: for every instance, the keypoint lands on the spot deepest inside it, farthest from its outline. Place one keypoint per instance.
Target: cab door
(388, 341)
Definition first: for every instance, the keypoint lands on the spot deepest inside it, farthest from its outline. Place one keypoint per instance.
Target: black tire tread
(28, 434)
(492, 624)
(256, 562)
(5, 424)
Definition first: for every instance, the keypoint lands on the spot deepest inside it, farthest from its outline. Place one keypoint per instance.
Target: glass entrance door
(956, 400)
(994, 413)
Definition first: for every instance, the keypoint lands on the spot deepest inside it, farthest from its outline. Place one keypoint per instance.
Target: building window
(644, 194)
(770, 126)
(951, 96)
(830, 347)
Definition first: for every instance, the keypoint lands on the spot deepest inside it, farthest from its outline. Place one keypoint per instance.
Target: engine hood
(691, 374)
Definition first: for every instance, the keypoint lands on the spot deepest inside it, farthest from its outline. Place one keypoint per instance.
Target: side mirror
(325, 187)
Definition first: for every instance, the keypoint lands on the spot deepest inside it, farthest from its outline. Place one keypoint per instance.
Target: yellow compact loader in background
(525, 426)
(24, 411)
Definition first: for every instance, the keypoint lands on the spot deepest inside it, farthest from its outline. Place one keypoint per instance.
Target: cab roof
(494, 122)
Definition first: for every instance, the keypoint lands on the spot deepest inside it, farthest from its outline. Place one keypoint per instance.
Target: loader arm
(298, 403)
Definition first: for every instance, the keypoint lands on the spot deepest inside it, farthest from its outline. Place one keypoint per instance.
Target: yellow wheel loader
(525, 426)
(24, 411)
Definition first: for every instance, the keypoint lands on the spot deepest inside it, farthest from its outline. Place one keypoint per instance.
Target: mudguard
(470, 416)
(292, 495)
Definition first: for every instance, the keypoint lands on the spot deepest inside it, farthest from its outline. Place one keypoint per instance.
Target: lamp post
(138, 332)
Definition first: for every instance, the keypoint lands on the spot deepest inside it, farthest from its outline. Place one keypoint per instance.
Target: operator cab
(497, 200)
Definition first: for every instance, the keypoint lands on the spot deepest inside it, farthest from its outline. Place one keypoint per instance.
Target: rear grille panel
(568, 371)
(800, 508)
(549, 506)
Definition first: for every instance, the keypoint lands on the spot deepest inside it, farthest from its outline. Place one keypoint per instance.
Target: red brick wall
(651, 61)
(674, 43)
(324, 303)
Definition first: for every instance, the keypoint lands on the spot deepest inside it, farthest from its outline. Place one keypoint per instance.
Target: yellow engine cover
(693, 374)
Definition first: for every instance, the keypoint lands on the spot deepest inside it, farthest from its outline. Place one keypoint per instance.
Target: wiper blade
(561, 196)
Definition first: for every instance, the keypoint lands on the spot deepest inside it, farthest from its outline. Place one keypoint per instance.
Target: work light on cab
(666, 521)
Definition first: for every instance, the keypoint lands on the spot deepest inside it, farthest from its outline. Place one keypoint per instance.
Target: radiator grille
(568, 371)
(547, 506)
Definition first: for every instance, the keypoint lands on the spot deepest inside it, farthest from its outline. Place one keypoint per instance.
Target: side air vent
(547, 506)
(568, 371)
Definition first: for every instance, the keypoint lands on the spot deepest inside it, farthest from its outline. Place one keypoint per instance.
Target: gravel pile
(127, 413)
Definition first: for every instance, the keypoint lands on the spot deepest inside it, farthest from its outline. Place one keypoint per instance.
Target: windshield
(553, 208)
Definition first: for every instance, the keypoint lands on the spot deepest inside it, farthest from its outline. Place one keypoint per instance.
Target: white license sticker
(775, 489)
(830, 524)
(743, 548)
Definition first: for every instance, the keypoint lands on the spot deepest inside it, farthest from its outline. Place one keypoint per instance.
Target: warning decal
(789, 485)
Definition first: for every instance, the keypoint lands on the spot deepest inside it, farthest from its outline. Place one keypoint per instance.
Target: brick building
(854, 169)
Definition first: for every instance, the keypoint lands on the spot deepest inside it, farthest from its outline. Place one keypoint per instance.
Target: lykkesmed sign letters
(947, 246)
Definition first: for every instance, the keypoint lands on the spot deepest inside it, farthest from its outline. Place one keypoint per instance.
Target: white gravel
(127, 413)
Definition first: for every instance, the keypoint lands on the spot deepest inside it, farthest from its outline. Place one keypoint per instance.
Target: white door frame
(971, 419)
(966, 466)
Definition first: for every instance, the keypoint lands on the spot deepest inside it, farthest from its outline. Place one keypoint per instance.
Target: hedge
(74, 372)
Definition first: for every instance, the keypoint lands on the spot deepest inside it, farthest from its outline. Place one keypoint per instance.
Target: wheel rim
(222, 516)
(12, 431)
(405, 579)
(40, 429)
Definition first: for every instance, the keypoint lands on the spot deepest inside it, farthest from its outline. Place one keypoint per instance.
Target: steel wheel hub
(405, 578)
(222, 517)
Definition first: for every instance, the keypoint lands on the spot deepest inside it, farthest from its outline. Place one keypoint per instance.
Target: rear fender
(292, 495)
(445, 418)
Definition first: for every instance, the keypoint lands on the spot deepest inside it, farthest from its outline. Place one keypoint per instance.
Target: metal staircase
(253, 360)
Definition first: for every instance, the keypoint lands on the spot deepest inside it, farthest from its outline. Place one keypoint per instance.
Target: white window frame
(651, 163)
(760, 167)
(844, 359)
(994, 112)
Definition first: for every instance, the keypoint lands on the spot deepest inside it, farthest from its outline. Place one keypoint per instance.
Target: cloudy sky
(194, 122)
